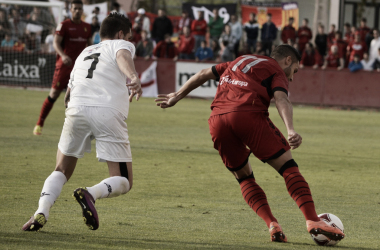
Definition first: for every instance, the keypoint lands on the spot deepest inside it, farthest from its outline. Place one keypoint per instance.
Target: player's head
(288, 58)
(76, 9)
(305, 22)
(291, 20)
(116, 26)
(356, 58)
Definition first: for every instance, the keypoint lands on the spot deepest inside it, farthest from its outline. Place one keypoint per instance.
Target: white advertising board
(184, 70)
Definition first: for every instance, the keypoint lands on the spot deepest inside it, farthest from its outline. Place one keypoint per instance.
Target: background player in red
(289, 32)
(357, 47)
(304, 35)
(240, 119)
(71, 37)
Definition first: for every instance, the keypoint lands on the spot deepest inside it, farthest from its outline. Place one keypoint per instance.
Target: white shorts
(106, 125)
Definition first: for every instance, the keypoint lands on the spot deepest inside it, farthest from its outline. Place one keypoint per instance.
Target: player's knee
(289, 164)
(124, 173)
(241, 179)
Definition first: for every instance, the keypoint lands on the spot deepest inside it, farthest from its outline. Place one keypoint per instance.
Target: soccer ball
(332, 220)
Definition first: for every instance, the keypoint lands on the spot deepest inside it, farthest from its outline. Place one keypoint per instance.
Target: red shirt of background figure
(186, 44)
(357, 48)
(75, 37)
(333, 60)
(304, 35)
(250, 89)
(288, 32)
(362, 31)
(199, 27)
(342, 47)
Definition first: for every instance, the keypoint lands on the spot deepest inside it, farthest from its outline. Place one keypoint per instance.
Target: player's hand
(135, 88)
(167, 101)
(294, 139)
(66, 60)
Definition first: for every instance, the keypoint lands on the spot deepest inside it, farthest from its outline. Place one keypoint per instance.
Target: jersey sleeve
(219, 69)
(125, 45)
(61, 29)
(280, 83)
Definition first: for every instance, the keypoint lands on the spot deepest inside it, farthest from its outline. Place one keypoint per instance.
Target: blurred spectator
(268, 34)
(366, 62)
(369, 37)
(166, 49)
(375, 44)
(66, 13)
(376, 62)
(252, 29)
(116, 8)
(43, 17)
(342, 47)
(17, 24)
(356, 48)
(33, 26)
(229, 38)
(289, 32)
(321, 40)
(4, 25)
(199, 29)
(331, 35)
(363, 29)
(95, 13)
(49, 40)
(259, 49)
(185, 21)
(215, 49)
(310, 57)
(347, 33)
(353, 32)
(225, 53)
(162, 25)
(304, 35)
(186, 44)
(32, 43)
(245, 50)
(355, 64)
(203, 53)
(237, 32)
(333, 60)
(96, 38)
(215, 25)
(95, 26)
(145, 47)
(142, 22)
(8, 41)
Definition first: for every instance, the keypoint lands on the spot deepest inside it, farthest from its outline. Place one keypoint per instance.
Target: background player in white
(98, 104)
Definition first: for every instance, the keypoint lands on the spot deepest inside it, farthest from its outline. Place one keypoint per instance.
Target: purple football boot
(87, 203)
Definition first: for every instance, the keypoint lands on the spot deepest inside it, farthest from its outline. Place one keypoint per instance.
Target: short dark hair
(76, 2)
(113, 23)
(285, 50)
(291, 18)
(364, 19)
(306, 20)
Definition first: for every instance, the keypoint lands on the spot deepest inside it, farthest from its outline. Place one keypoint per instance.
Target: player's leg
(235, 157)
(60, 80)
(51, 190)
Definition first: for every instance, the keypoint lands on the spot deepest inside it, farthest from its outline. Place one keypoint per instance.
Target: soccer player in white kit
(97, 103)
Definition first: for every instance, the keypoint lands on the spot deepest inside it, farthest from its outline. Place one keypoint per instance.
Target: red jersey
(357, 48)
(333, 60)
(199, 27)
(304, 34)
(75, 37)
(342, 47)
(363, 32)
(247, 84)
(288, 32)
(165, 50)
(186, 44)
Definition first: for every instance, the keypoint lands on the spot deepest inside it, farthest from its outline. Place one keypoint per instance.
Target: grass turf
(183, 197)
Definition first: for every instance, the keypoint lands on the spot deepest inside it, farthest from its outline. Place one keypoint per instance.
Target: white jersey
(96, 79)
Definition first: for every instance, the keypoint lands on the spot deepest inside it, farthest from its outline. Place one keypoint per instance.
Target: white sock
(50, 192)
(110, 187)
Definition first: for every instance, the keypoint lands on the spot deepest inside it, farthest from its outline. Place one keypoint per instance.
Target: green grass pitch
(183, 197)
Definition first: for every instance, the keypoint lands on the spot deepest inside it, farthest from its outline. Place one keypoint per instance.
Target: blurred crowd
(32, 29)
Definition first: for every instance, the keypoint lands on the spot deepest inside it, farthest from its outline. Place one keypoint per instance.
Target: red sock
(46, 107)
(300, 192)
(256, 199)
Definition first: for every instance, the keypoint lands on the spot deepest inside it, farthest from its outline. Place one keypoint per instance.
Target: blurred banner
(225, 10)
(148, 79)
(280, 13)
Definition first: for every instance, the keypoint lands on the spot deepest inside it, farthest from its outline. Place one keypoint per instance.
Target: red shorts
(233, 132)
(61, 77)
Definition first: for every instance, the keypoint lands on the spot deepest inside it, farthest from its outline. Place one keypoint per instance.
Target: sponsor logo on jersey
(227, 79)
(79, 39)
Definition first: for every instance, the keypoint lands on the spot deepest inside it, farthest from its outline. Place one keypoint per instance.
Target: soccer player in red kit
(289, 32)
(304, 35)
(71, 37)
(240, 119)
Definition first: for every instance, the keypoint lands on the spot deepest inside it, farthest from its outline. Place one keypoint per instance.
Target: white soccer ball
(332, 220)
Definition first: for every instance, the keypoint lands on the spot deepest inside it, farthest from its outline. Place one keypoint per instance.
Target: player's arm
(285, 109)
(126, 65)
(58, 48)
(169, 100)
